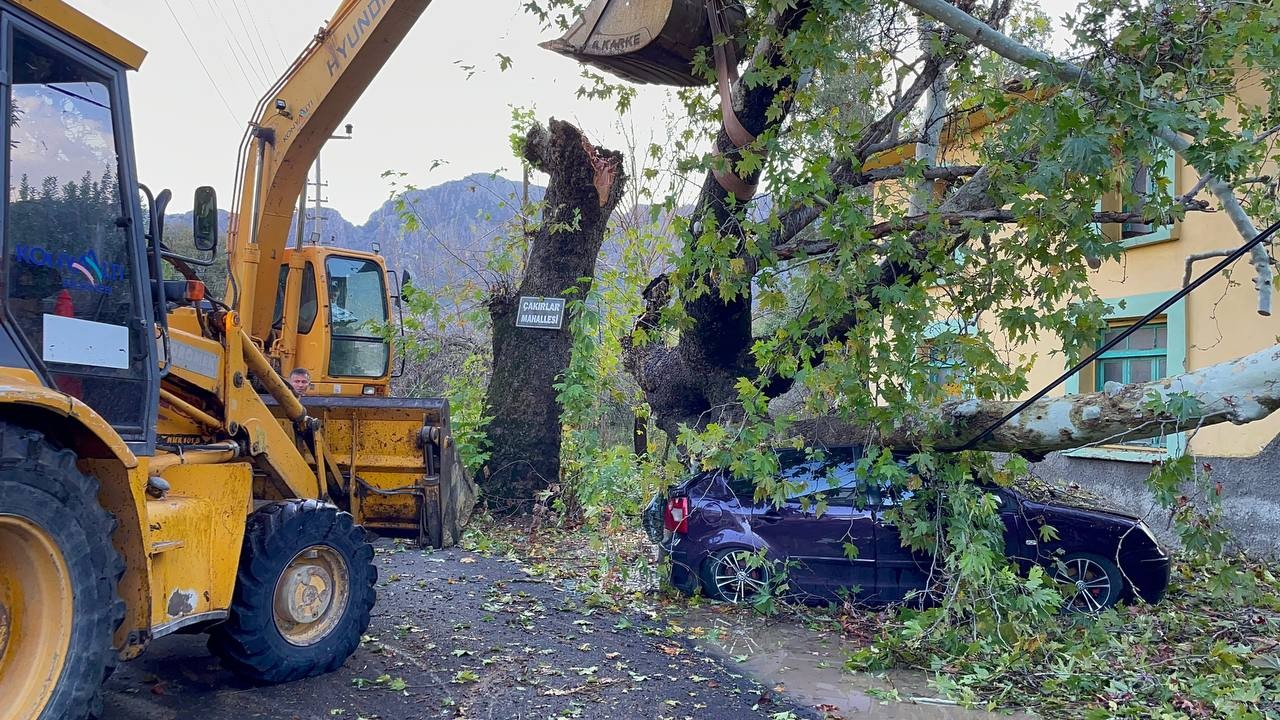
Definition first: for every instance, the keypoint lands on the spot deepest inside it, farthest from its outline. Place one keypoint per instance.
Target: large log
(1240, 391)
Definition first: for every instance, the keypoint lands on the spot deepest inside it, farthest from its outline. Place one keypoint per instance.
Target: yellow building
(1217, 322)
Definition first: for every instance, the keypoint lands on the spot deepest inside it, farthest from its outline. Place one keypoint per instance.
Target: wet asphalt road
(455, 634)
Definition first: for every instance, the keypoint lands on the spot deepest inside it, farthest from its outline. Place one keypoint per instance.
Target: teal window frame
(1126, 357)
(943, 368)
(1164, 232)
(1133, 307)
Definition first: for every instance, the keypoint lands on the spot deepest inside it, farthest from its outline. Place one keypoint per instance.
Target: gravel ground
(456, 634)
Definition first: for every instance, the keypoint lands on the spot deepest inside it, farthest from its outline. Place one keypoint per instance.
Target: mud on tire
(261, 640)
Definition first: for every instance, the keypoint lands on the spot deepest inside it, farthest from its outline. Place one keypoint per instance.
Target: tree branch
(935, 111)
(1240, 391)
(1011, 49)
(956, 219)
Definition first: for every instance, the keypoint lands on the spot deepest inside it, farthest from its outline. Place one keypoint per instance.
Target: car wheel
(729, 577)
(1094, 583)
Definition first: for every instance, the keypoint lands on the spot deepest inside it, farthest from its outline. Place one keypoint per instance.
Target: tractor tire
(303, 594)
(59, 606)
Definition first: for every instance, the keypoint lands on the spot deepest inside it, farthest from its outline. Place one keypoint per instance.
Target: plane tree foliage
(829, 295)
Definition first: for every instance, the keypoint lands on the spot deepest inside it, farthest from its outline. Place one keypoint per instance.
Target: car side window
(837, 483)
(894, 497)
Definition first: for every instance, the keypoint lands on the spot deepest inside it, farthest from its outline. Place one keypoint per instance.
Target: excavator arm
(295, 118)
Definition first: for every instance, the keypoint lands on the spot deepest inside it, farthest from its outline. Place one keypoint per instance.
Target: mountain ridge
(457, 223)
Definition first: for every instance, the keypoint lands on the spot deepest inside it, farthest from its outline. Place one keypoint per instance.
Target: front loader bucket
(397, 469)
(644, 41)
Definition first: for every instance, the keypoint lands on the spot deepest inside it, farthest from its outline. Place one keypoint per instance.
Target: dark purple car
(712, 532)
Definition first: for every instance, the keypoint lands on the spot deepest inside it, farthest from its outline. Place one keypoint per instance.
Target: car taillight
(676, 519)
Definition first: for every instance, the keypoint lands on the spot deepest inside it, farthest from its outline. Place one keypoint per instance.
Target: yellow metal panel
(380, 442)
(194, 537)
(196, 359)
(87, 423)
(123, 493)
(75, 23)
(19, 376)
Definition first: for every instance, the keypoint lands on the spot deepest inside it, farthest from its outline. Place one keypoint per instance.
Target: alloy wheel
(735, 580)
(1090, 584)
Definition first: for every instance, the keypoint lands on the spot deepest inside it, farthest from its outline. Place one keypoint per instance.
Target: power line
(257, 29)
(264, 63)
(237, 55)
(284, 56)
(207, 74)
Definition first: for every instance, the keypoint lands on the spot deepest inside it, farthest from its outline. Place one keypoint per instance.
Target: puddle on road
(810, 667)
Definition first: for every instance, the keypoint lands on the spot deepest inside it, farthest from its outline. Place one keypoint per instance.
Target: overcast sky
(421, 108)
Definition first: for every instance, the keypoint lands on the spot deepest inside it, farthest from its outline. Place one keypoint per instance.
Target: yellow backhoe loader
(157, 474)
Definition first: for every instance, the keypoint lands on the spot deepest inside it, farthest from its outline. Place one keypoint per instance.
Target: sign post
(540, 313)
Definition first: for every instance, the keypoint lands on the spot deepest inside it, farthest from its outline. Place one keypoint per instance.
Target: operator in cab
(300, 381)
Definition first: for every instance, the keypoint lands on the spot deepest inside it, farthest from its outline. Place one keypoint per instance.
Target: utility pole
(317, 218)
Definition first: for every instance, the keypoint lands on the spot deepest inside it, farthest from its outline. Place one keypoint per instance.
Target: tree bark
(1240, 391)
(585, 185)
(694, 382)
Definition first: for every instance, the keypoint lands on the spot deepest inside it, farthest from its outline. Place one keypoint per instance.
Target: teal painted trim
(1135, 306)
(1164, 234)
(1135, 454)
(1119, 354)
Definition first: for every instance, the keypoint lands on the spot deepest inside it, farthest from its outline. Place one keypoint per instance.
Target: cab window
(357, 312)
(71, 286)
(307, 304)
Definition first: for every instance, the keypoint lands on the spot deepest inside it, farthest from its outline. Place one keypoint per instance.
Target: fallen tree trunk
(586, 184)
(1240, 391)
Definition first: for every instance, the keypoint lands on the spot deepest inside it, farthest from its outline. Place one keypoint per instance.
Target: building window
(1156, 350)
(1147, 182)
(1141, 357)
(946, 370)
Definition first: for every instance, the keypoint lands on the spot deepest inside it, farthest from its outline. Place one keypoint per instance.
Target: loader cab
(344, 312)
(73, 276)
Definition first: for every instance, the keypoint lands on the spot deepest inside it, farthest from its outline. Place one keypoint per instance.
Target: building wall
(1221, 324)
(1250, 492)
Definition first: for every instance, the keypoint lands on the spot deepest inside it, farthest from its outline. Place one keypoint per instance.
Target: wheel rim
(36, 604)
(736, 580)
(311, 595)
(1090, 585)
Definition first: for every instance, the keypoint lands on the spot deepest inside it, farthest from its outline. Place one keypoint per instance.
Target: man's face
(300, 383)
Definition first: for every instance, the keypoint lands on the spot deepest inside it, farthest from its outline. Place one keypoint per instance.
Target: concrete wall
(1251, 492)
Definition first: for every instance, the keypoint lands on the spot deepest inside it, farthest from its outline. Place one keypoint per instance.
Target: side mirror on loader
(204, 218)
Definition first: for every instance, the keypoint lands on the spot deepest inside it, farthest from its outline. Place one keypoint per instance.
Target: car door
(900, 571)
(1020, 540)
(808, 533)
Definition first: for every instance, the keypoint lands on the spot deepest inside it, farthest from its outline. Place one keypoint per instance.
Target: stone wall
(1251, 492)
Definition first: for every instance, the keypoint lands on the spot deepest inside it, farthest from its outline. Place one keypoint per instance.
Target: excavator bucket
(646, 41)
